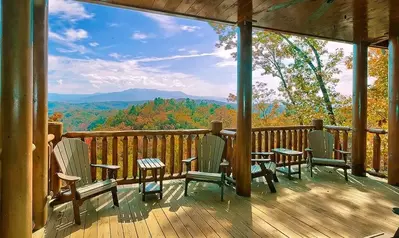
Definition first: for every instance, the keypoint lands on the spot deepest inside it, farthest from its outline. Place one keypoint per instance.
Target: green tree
(304, 66)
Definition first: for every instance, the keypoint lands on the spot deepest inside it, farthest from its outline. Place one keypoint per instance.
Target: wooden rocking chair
(209, 159)
(321, 151)
(73, 158)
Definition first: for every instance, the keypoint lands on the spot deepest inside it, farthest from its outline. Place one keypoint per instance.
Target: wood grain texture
(299, 209)
(338, 20)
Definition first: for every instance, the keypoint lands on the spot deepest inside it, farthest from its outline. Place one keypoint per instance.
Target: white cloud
(68, 38)
(112, 24)
(115, 55)
(68, 9)
(182, 49)
(173, 57)
(75, 34)
(96, 75)
(94, 44)
(193, 52)
(189, 28)
(141, 36)
(169, 24)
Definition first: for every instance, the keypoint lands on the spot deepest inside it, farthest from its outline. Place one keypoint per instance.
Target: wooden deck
(325, 206)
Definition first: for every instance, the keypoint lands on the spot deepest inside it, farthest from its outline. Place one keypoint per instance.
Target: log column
(40, 113)
(393, 111)
(359, 104)
(16, 107)
(244, 102)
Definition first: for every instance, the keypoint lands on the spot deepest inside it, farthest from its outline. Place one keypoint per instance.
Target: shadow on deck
(322, 206)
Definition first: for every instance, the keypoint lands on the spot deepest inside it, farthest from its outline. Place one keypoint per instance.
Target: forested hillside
(157, 114)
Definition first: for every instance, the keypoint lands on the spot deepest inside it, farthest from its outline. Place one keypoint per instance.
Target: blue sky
(94, 48)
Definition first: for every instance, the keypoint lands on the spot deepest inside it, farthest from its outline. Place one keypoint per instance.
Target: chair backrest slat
(210, 153)
(321, 142)
(73, 157)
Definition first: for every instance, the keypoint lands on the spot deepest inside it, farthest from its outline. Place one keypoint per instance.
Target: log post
(16, 108)
(40, 114)
(216, 127)
(318, 124)
(376, 153)
(56, 129)
(359, 106)
(244, 99)
(393, 99)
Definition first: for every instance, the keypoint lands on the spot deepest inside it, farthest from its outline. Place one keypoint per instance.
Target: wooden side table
(154, 165)
(286, 169)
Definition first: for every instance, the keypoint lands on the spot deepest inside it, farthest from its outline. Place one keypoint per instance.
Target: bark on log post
(393, 98)
(216, 127)
(40, 114)
(359, 114)
(16, 108)
(376, 153)
(318, 124)
(55, 128)
(244, 99)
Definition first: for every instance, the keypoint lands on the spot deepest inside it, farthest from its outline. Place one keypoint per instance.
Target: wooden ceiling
(340, 20)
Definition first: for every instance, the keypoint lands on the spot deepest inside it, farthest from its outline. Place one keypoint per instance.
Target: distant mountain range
(130, 95)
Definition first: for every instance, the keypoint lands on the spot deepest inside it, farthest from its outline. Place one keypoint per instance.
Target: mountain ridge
(129, 95)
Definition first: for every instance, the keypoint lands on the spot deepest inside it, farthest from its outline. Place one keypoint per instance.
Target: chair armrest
(343, 152)
(189, 160)
(261, 160)
(224, 163)
(308, 150)
(68, 178)
(106, 166)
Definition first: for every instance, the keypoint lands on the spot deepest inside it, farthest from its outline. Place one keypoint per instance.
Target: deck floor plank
(323, 206)
(77, 231)
(138, 218)
(91, 224)
(166, 207)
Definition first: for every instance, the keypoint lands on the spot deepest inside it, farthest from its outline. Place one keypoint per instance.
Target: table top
(262, 153)
(150, 163)
(284, 151)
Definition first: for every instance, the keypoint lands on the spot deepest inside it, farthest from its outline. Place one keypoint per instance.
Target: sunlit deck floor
(325, 206)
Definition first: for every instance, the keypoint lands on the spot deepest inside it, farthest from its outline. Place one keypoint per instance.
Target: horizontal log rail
(376, 155)
(80, 134)
(124, 148)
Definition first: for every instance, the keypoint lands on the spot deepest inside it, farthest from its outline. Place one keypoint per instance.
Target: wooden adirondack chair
(73, 158)
(321, 152)
(209, 158)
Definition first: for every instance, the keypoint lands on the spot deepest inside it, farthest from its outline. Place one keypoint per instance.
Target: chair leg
(269, 180)
(186, 187)
(311, 169)
(114, 192)
(221, 191)
(76, 213)
(346, 174)
(275, 178)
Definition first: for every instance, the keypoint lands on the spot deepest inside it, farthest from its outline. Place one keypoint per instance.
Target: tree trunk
(319, 78)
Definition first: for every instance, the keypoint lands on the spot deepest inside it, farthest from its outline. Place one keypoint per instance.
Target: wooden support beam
(244, 101)
(393, 99)
(359, 107)
(16, 107)
(40, 113)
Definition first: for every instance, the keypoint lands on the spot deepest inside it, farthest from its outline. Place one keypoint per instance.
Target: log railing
(376, 154)
(124, 148)
(230, 138)
(341, 138)
(290, 137)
